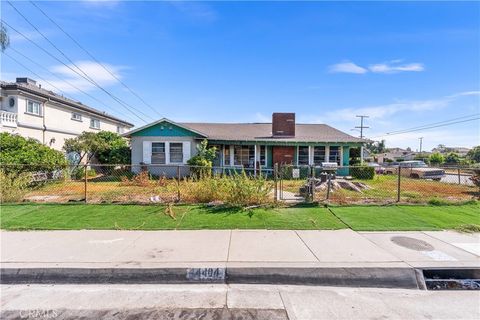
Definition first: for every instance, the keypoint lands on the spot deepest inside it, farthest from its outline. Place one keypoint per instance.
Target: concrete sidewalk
(287, 251)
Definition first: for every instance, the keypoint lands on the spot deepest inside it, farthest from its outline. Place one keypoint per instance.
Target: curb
(404, 278)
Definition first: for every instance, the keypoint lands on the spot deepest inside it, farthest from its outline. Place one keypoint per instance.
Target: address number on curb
(206, 274)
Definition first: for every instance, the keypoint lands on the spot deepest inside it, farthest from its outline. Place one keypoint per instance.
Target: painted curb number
(203, 274)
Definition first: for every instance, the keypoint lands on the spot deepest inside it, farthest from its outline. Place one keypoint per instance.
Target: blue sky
(403, 64)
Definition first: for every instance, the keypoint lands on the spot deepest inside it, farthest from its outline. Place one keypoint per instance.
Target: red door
(283, 155)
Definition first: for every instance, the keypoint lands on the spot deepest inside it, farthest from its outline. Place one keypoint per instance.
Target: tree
(29, 154)
(4, 38)
(107, 147)
(452, 158)
(474, 154)
(376, 147)
(86, 145)
(116, 149)
(436, 158)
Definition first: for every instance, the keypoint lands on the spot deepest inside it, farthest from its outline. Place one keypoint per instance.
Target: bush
(436, 159)
(202, 162)
(13, 186)
(79, 173)
(367, 173)
(28, 155)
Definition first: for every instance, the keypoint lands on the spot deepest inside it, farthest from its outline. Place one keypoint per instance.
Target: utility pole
(421, 140)
(361, 127)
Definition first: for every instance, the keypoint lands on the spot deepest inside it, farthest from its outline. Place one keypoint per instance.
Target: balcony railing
(8, 119)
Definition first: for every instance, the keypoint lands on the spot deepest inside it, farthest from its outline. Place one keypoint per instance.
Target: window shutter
(186, 151)
(147, 152)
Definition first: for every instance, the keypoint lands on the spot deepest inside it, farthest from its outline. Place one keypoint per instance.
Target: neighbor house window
(226, 155)
(334, 155)
(244, 156)
(176, 152)
(94, 123)
(303, 155)
(120, 129)
(158, 152)
(76, 116)
(318, 155)
(34, 107)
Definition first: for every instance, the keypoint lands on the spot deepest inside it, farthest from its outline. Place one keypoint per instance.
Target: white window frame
(165, 146)
(92, 121)
(79, 116)
(33, 110)
(169, 153)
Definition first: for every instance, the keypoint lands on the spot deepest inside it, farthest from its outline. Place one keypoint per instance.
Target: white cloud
(260, 117)
(196, 10)
(393, 66)
(92, 69)
(347, 67)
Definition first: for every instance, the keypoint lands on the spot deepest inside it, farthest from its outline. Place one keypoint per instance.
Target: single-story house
(240, 145)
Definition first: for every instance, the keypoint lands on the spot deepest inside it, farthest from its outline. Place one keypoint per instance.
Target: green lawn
(408, 217)
(150, 217)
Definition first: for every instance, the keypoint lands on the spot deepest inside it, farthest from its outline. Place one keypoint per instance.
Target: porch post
(255, 160)
(327, 153)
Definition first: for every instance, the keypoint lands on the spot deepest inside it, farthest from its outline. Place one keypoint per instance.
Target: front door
(283, 155)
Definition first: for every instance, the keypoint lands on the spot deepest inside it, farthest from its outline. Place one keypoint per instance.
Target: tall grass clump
(13, 186)
(237, 189)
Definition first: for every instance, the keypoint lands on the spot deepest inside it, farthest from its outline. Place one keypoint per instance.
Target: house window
(244, 156)
(120, 129)
(176, 152)
(158, 152)
(334, 155)
(94, 123)
(318, 155)
(34, 107)
(263, 155)
(76, 116)
(226, 155)
(303, 155)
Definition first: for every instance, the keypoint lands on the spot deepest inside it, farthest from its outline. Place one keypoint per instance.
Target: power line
(67, 82)
(429, 127)
(85, 75)
(95, 59)
(435, 123)
(73, 70)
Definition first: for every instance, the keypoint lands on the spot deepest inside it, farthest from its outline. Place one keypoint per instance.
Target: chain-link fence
(188, 184)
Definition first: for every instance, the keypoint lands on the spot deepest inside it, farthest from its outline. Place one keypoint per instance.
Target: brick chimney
(283, 124)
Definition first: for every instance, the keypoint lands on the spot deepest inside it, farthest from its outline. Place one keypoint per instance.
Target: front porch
(264, 155)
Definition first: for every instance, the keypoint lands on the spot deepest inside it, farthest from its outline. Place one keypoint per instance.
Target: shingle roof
(263, 132)
(50, 94)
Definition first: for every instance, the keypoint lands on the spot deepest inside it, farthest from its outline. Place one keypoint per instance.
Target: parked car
(378, 168)
(417, 170)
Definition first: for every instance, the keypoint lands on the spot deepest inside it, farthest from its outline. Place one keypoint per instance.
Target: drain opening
(452, 279)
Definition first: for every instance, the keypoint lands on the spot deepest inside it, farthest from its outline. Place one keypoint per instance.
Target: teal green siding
(346, 156)
(165, 129)
(269, 157)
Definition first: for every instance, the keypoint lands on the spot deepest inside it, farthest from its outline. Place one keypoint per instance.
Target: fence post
(398, 183)
(85, 181)
(178, 183)
(459, 181)
(275, 181)
(328, 185)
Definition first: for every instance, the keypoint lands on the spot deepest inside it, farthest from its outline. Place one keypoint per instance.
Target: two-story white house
(31, 111)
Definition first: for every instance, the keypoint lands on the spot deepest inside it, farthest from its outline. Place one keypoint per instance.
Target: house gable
(165, 128)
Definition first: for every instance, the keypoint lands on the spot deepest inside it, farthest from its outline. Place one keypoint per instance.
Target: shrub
(78, 173)
(28, 155)
(202, 162)
(367, 173)
(13, 186)
(436, 159)
(142, 179)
